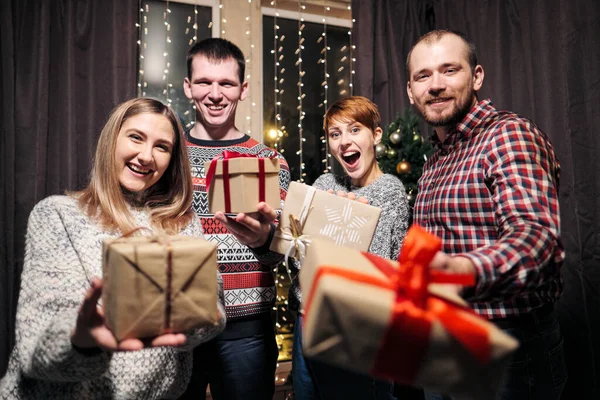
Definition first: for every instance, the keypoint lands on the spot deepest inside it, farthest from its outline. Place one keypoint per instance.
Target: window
(324, 45)
(281, 121)
(164, 40)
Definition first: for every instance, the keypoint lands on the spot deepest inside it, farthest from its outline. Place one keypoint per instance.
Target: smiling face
(353, 145)
(143, 150)
(442, 86)
(215, 89)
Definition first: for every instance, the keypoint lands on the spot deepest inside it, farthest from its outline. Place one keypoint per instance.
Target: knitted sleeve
(396, 211)
(53, 286)
(263, 254)
(204, 334)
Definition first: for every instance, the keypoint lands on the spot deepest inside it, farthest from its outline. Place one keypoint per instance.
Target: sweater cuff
(265, 247)
(55, 358)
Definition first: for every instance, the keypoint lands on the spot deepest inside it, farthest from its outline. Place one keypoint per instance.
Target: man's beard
(455, 116)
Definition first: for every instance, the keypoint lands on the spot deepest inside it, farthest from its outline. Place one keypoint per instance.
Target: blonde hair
(168, 201)
(354, 108)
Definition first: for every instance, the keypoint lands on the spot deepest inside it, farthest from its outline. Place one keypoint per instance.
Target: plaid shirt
(490, 191)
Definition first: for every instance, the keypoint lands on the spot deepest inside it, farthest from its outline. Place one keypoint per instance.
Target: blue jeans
(315, 380)
(302, 377)
(537, 369)
(236, 369)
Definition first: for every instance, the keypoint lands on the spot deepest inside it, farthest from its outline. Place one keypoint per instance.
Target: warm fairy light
(223, 21)
(325, 83)
(248, 63)
(166, 53)
(142, 79)
(301, 112)
(277, 58)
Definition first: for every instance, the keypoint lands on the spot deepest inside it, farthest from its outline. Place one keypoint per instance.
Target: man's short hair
(435, 36)
(217, 49)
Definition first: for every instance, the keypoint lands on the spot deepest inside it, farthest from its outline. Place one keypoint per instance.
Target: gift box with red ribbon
(158, 284)
(399, 321)
(237, 182)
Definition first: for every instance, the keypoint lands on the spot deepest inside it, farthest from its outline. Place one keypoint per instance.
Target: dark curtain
(64, 65)
(541, 59)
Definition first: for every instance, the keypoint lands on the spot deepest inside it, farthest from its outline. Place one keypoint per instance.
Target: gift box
(155, 285)
(399, 321)
(318, 213)
(237, 182)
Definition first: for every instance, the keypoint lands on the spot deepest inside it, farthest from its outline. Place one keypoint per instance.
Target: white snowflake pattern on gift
(342, 225)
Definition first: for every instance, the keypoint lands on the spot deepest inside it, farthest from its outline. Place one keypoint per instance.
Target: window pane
(313, 105)
(160, 80)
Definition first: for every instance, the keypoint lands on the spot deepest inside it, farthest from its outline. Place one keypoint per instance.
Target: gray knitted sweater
(387, 193)
(63, 253)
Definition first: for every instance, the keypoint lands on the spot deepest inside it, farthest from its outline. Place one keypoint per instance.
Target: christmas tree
(403, 151)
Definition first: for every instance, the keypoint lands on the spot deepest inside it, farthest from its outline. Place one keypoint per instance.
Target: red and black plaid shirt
(490, 191)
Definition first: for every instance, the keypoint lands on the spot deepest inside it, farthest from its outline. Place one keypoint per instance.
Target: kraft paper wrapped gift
(237, 182)
(321, 214)
(398, 321)
(155, 285)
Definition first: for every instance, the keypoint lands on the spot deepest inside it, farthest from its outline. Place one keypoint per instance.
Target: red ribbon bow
(406, 341)
(225, 157)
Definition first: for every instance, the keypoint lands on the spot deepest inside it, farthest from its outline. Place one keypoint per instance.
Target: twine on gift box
(298, 241)
(164, 240)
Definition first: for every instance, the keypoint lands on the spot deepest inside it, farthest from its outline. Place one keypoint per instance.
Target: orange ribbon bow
(406, 341)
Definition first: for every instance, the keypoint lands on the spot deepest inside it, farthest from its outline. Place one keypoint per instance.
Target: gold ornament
(403, 167)
(380, 150)
(392, 153)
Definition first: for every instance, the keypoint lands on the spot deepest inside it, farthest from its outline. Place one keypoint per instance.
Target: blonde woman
(140, 178)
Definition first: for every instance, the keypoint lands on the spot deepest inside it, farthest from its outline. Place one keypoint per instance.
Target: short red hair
(354, 108)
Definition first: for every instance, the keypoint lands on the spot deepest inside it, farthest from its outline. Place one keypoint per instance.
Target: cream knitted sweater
(63, 253)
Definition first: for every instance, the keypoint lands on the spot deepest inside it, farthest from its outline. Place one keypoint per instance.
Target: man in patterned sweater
(240, 363)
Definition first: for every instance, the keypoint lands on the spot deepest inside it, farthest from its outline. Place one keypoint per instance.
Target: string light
(276, 135)
(351, 58)
(325, 84)
(143, 42)
(141, 45)
(223, 20)
(193, 33)
(168, 84)
(277, 49)
(301, 95)
(249, 62)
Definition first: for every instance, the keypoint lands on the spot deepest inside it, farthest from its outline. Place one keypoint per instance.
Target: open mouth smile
(138, 170)
(215, 107)
(351, 158)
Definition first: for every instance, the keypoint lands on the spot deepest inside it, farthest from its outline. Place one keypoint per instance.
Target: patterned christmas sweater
(247, 275)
